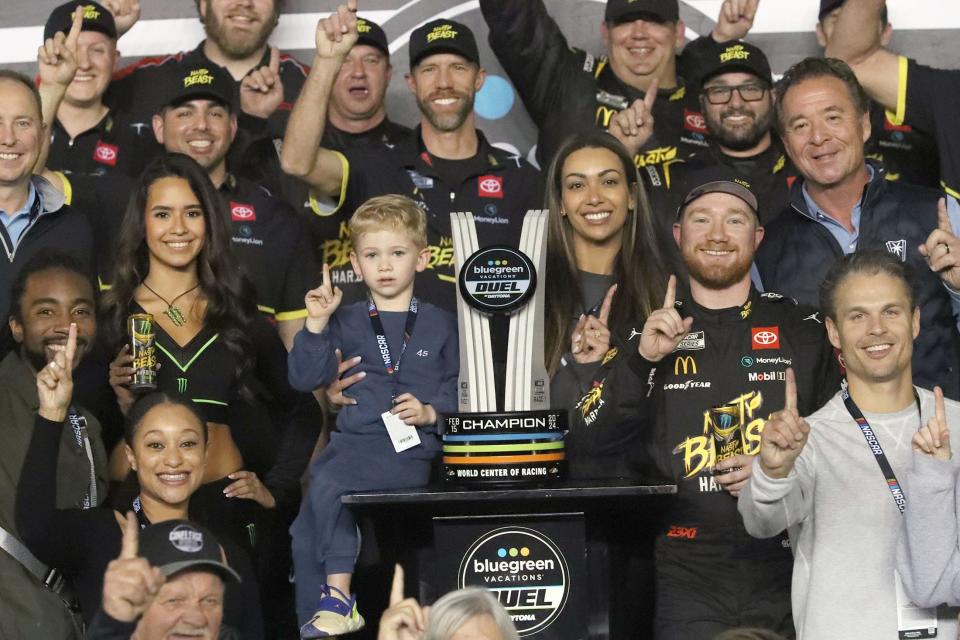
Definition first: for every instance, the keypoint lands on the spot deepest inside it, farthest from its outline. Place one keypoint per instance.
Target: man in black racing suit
(703, 374)
(565, 89)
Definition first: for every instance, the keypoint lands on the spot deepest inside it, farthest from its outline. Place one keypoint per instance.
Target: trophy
(505, 431)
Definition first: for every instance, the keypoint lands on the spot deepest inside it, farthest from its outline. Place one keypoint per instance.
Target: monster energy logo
(182, 385)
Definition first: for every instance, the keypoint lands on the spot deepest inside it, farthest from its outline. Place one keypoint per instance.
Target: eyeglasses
(722, 94)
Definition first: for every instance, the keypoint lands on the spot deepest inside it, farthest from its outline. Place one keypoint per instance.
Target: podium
(543, 551)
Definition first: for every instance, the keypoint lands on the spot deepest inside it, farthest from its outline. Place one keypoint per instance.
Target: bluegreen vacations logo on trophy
(505, 432)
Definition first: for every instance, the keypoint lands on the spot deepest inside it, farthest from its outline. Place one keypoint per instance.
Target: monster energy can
(727, 432)
(140, 328)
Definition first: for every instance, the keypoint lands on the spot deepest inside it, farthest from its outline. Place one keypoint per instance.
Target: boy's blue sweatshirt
(428, 370)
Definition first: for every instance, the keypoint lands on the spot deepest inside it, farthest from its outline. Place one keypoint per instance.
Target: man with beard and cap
(736, 100)
(237, 34)
(445, 165)
(690, 394)
(51, 297)
(564, 88)
(356, 118)
(906, 153)
(842, 204)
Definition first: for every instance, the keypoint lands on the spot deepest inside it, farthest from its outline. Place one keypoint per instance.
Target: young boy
(409, 355)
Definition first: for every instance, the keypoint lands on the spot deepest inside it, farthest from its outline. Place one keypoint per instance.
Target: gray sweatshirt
(843, 522)
(927, 556)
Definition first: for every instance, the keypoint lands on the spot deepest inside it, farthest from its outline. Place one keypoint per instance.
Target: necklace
(174, 313)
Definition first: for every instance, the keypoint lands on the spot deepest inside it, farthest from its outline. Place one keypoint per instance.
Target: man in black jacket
(32, 211)
(843, 204)
(693, 392)
(564, 88)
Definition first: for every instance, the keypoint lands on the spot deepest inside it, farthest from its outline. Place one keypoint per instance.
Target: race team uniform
(929, 99)
(138, 91)
(907, 154)
(564, 89)
(496, 187)
(706, 401)
(112, 145)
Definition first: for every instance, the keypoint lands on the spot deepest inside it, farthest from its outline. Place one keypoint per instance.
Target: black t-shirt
(929, 99)
(103, 200)
(114, 145)
(496, 187)
(273, 247)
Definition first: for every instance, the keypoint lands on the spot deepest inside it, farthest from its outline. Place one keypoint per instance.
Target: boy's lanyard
(892, 483)
(393, 368)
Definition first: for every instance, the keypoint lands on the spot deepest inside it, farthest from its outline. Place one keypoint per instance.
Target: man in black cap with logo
(167, 582)
(736, 101)
(564, 88)
(85, 136)
(906, 153)
(357, 118)
(700, 378)
(198, 118)
(237, 35)
(445, 165)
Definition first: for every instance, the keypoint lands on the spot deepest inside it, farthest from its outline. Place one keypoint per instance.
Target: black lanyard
(892, 483)
(141, 516)
(78, 423)
(393, 368)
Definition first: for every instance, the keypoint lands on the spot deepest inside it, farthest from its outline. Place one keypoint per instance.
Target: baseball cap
(195, 79)
(95, 18)
(737, 55)
(443, 36)
(717, 179)
(177, 545)
(618, 11)
(372, 34)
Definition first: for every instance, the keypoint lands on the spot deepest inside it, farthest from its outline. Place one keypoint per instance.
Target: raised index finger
(326, 275)
(607, 303)
(751, 9)
(71, 350)
(75, 27)
(396, 588)
(791, 392)
(130, 546)
(274, 60)
(670, 299)
(943, 220)
(941, 409)
(651, 96)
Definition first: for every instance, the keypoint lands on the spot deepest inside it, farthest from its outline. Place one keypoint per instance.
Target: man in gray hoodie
(832, 478)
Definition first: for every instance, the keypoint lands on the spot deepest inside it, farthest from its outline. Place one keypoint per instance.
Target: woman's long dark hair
(639, 269)
(231, 305)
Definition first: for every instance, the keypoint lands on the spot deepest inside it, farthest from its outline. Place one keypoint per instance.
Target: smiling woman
(167, 446)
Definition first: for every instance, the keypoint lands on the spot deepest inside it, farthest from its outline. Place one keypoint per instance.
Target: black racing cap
(95, 18)
(178, 545)
(443, 36)
(619, 11)
(826, 6)
(737, 55)
(372, 34)
(717, 179)
(189, 80)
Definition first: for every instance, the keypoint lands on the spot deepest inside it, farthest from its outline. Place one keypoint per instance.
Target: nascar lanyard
(78, 423)
(141, 516)
(393, 368)
(892, 483)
